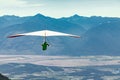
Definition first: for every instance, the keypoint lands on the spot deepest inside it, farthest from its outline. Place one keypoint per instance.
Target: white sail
(44, 33)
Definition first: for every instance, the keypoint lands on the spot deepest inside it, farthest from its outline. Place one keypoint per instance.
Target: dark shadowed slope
(3, 77)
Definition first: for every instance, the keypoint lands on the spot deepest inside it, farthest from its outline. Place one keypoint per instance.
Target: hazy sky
(60, 8)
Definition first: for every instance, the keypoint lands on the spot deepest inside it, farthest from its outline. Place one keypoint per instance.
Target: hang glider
(44, 33)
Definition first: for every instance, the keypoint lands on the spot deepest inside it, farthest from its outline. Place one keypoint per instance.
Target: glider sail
(44, 33)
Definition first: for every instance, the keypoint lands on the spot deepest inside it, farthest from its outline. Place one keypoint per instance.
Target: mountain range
(99, 35)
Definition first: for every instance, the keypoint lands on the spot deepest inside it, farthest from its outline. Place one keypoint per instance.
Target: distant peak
(76, 15)
(10, 16)
(39, 15)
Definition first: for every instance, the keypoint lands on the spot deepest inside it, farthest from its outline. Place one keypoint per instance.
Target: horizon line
(59, 17)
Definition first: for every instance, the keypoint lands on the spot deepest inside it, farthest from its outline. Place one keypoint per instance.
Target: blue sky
(60, 8)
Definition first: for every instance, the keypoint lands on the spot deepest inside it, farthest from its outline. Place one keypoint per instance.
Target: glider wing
(44, 33)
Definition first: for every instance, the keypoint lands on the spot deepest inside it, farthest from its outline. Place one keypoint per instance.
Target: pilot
(44, 46)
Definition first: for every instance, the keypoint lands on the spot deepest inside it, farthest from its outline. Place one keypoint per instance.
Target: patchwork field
(34, 67)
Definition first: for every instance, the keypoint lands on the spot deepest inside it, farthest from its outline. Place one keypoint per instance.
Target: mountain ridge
(89, 28)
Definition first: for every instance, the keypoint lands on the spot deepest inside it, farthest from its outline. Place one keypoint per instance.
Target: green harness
(44, 46)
